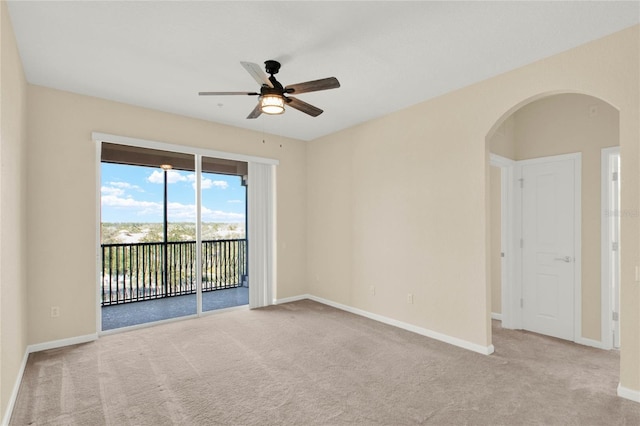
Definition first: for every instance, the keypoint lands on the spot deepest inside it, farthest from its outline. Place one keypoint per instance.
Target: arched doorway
(546, 127)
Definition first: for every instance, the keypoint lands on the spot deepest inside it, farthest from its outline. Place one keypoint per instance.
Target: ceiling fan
(273, 96)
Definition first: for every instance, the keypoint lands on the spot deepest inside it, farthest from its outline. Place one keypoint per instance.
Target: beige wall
(496, 242)
(401, 203)
(62, 198)
(503, 141)
(13, 231)
(387, 211)
(564, 124)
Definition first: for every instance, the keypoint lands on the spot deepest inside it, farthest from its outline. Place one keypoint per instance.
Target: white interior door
(548, 247)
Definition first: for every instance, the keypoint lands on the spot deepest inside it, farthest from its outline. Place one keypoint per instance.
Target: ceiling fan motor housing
(274, 91)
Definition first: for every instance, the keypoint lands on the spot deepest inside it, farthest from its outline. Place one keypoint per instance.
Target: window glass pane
(224, 244)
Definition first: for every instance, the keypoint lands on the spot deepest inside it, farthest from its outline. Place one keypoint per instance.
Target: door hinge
(614, 246)
(502, 254)
(616, 316)
(614, 177)
(522, 303)
(521, 180)
(521, 243)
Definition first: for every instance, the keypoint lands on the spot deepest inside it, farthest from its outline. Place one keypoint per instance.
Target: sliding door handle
(565, 259)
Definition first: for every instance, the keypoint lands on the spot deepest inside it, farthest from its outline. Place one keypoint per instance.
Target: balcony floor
(134, 313)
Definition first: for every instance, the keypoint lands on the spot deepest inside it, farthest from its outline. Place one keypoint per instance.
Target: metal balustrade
(135, 272)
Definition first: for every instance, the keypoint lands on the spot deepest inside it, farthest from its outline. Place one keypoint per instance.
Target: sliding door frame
(262, 262)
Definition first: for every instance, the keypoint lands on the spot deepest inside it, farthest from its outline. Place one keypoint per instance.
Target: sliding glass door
(170, 247)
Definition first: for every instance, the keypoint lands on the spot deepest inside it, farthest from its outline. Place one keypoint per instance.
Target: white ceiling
(387, 55)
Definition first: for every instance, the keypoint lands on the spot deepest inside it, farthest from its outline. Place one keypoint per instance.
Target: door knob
(564, 259)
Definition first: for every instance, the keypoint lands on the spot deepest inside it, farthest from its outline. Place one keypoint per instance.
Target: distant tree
(110, 234)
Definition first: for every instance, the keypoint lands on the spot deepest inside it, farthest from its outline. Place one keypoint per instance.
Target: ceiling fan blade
(257, 73)
(303, 106)
(313, 86)
(256, 112)
(227, 93)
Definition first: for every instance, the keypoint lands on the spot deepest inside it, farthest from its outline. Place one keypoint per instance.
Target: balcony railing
(135, 272)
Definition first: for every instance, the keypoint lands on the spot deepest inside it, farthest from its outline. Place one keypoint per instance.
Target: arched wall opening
(608, 70)
(546, 126)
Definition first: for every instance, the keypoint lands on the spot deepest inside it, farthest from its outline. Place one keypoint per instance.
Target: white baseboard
(16, 388)
(590, 342)
(37, 348)
(291, 299)
(485, 350)
(627, 393)
(62, 343)
(496, 316)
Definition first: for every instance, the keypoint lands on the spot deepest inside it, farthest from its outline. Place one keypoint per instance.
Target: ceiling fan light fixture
(272, 104)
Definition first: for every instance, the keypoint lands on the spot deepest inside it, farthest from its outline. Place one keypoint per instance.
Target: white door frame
(607, 259)
(512, 285)
(506, 234)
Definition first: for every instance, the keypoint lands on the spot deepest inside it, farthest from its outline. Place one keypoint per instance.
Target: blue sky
(135, 194)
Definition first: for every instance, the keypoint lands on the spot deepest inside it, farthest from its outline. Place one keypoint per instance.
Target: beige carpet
(305, 363)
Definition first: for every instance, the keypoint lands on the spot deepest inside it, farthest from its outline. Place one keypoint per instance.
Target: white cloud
(178, 212)
(234, 201)
(126, 185)
(208, 183)
(156, 177)
(172, 177)
(108, 190)
(220, 216)
(115, 201)
(181, 212)
(187, 213)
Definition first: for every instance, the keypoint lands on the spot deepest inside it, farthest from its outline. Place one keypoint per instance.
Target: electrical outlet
(372, 290)
(55, 311)
(410, 298)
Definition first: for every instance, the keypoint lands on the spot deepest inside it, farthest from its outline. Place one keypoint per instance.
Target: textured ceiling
(387, 55)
